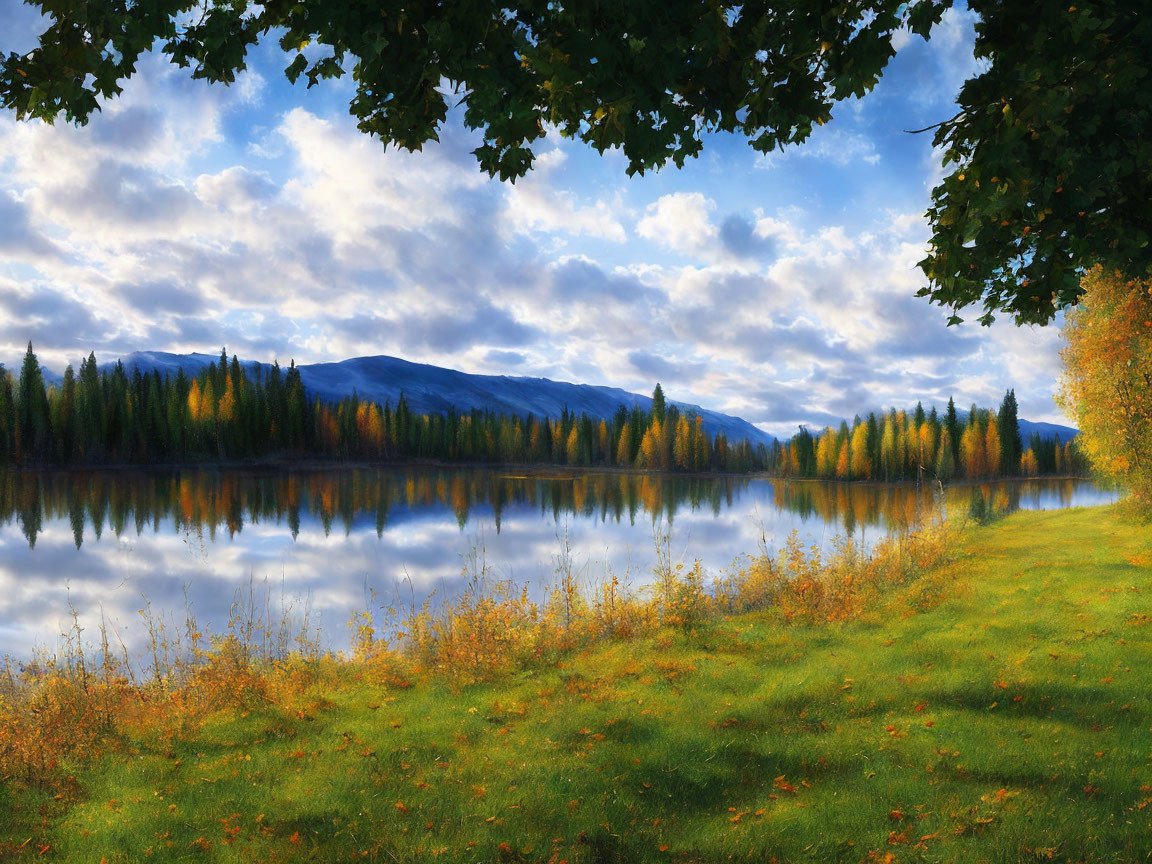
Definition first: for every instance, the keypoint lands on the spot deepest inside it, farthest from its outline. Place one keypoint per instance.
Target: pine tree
(33, 428)
(1009, 428)
(7, 417)
(91, 410)
(952, 424)
(66, 422)
(658, 407)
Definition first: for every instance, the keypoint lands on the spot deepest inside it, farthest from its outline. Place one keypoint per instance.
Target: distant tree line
(113, 416)
(926, 446)
(225, 412)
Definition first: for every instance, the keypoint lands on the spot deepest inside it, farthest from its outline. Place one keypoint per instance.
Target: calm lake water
(324, 541)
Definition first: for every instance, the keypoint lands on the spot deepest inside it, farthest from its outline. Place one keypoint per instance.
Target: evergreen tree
(66, 418)
(952, 424)
(7, 417)
(658, 407)
(1011, 447)
(33, 428)
(91, 410)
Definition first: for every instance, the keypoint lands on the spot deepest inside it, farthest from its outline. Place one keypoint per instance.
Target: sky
(187, 217)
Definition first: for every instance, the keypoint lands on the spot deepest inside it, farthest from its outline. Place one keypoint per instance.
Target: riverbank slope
(998, 708)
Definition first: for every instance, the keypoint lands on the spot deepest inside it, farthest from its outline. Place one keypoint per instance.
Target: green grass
(1008, 722)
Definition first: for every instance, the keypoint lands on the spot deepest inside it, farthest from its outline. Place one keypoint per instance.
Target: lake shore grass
(987, 698)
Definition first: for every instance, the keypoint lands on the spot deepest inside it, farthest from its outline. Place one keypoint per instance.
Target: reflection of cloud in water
(402, 534)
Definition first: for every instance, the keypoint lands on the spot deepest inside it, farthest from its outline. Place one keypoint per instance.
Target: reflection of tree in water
(202, 501)
(1008, 497)
(854, 504)
(30, 512)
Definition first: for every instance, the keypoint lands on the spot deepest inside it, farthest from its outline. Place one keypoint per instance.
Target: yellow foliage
(1107, 381)
(226, 410)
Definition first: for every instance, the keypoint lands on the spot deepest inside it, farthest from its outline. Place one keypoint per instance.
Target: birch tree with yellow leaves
(1107, 381)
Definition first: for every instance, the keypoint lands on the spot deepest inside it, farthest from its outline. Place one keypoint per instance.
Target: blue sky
(185, 217)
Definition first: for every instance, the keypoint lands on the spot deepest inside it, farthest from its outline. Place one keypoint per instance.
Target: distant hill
(1063, 434)
(1046, 431)
(434, 389)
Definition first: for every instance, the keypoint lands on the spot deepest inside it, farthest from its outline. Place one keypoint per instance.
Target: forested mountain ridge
(434, 390)
(159, 406)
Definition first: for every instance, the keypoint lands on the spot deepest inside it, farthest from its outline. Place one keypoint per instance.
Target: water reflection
(327, 538)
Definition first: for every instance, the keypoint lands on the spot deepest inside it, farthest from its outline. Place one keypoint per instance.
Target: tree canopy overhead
(1048, 155)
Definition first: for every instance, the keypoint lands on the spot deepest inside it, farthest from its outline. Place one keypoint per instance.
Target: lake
(330, 542)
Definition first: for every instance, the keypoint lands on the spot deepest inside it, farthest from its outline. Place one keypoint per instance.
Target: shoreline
(525, 470)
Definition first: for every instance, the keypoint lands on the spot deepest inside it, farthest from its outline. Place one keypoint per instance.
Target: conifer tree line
(927, 446)
(113, 416)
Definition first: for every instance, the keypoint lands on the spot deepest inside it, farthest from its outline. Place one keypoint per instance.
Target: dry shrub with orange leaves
(805, 585)
(493, 627)
(63, 708)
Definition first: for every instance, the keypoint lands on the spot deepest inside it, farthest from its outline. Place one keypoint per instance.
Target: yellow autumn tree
(860, 463)
(194, 400)
(651, 445)
(624, 448)
(1107, 381)
(843, 461)
(1029, 466)
(826, 453)
(572, 451)
(926, 449)
(972, 451)
(888, 466)
(682, 445)
(226, 411)
(207, 402)
(992, 449)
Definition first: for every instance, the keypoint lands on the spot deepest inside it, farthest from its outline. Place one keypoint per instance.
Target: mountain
(434, 389)
(1046, 431)
(1062, 434)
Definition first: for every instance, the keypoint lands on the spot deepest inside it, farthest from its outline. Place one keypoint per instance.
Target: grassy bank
(994, 707)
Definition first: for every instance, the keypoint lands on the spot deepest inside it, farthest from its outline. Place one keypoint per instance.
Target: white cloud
(830, 144)
(536, 205)
(679, 222)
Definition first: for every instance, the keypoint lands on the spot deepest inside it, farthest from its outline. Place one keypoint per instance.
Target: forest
(927, 446)
(225, 413)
